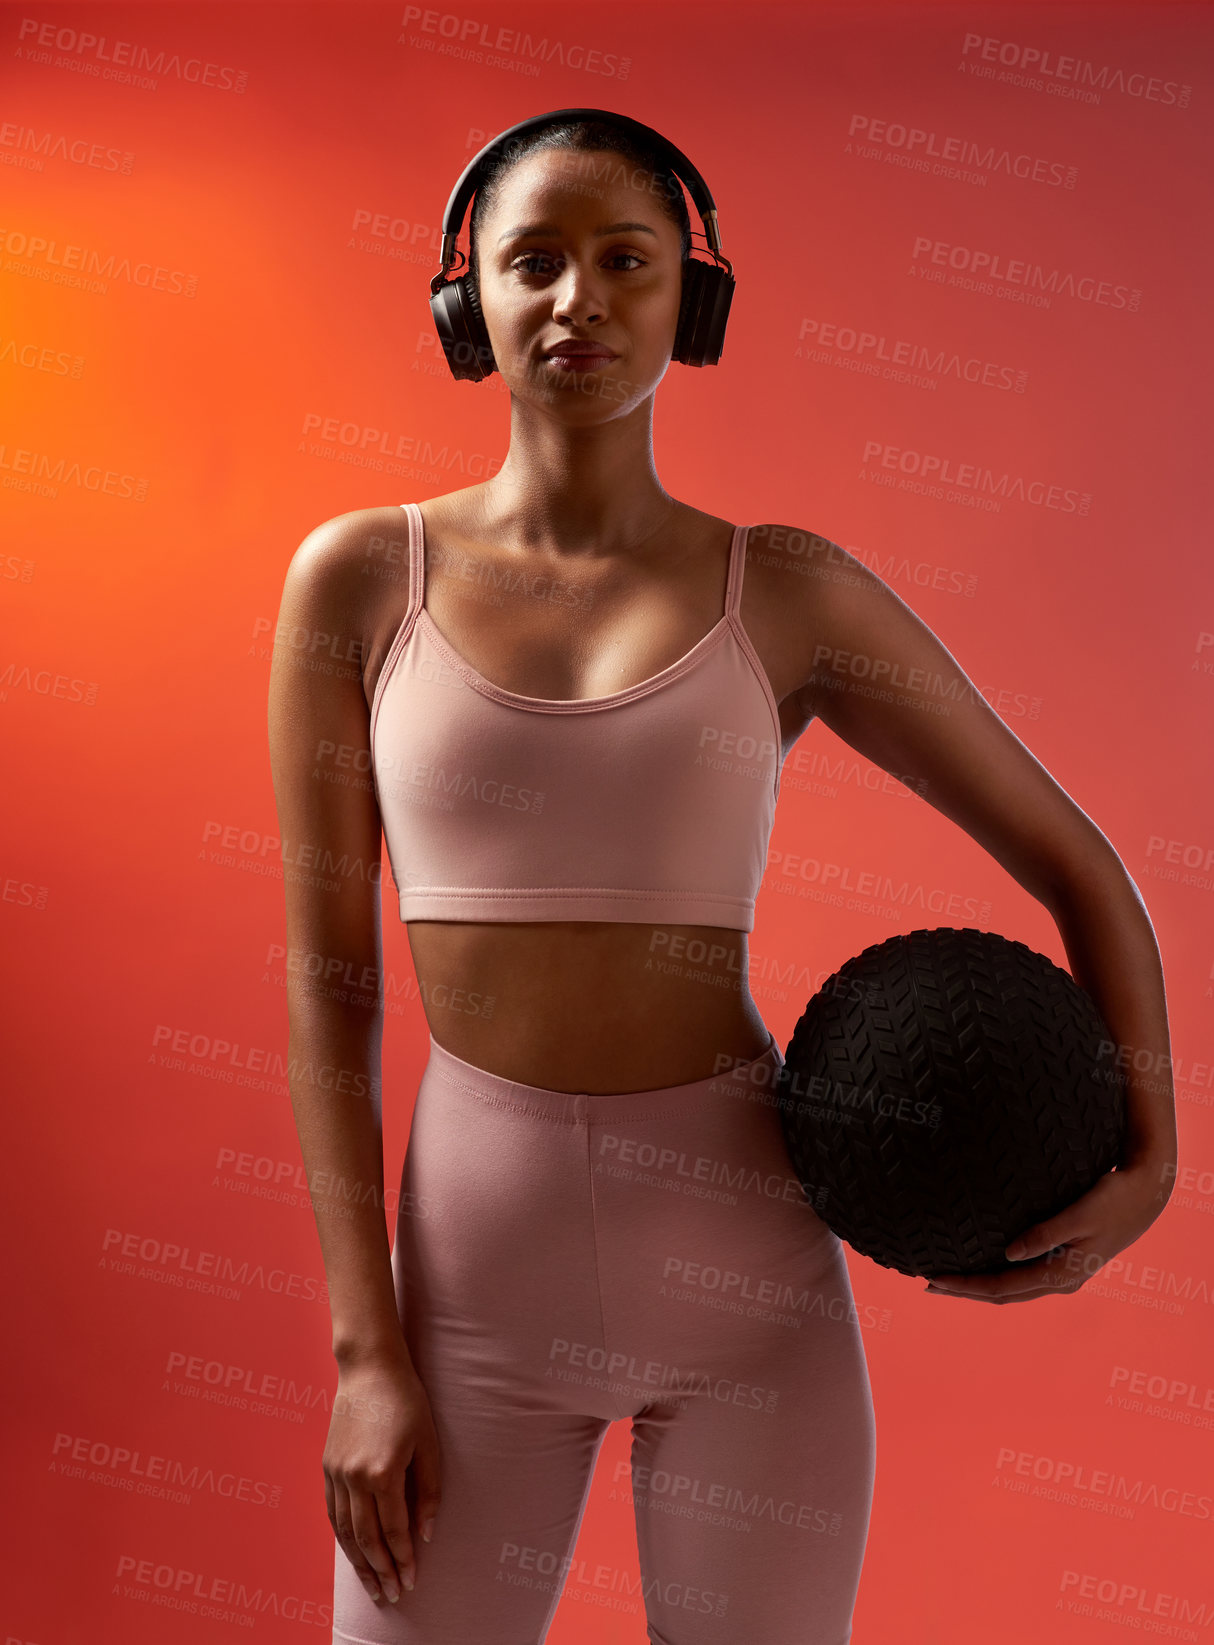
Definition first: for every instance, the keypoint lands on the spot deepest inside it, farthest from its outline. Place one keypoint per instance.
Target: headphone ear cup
(461, 330)
(683, 327)
(700, 333)
(477, 328)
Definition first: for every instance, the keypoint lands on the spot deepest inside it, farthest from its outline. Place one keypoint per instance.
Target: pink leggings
(564, 1261)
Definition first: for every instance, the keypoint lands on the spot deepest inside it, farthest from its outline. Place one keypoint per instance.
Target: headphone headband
(674, 157)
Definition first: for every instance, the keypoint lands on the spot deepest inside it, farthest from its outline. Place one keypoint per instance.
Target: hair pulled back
(632, 152)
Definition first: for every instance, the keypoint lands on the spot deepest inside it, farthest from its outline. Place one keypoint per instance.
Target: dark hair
(580, 136)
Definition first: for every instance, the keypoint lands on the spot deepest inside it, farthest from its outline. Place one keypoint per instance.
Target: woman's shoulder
(782, 545)
(349, 575)
(342, 553)
(352, 535)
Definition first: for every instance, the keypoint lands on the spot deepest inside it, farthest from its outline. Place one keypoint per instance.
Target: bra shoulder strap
(737, 568)
(417, 561)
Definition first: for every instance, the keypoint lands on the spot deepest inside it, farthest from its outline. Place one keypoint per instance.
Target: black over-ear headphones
(707, 287)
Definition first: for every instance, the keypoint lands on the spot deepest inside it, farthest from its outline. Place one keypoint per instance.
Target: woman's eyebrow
(525, 229)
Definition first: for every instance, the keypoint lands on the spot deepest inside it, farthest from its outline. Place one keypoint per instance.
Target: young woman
(565, 699)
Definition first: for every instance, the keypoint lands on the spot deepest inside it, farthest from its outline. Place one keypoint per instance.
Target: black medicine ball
(944, 1091)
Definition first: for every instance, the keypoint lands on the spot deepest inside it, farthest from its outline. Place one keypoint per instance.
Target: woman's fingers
(1010, 1296)
(382, 1444)
(341, 1518)
(427, 1483)
(369, 1535)
(393, 1518)
(1061, 1270)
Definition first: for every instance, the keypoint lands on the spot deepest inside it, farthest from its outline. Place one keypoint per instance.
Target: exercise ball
(944, 1091)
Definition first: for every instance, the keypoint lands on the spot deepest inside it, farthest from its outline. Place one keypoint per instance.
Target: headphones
(707, 287)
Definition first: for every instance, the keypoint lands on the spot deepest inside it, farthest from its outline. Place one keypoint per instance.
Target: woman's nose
(578, 296)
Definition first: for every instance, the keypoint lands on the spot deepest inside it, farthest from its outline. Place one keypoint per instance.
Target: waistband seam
(520, 1105)
(587, 892)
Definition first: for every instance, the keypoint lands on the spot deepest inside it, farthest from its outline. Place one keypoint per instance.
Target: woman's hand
(381, 1427)
(1076, 1243)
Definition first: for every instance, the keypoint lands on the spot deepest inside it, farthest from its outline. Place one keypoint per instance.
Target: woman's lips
(578, 359)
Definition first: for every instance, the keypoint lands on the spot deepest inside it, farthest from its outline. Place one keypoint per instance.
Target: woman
(573, 696)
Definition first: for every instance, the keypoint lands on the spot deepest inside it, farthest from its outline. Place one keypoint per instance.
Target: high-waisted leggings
(564, 1261)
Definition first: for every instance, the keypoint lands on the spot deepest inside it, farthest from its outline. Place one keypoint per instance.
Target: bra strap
(417, 561)
(737, 566)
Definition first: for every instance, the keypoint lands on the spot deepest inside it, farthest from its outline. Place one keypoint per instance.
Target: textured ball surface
(944, 1091)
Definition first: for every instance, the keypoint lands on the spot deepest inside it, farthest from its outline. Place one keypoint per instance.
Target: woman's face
(578, 247)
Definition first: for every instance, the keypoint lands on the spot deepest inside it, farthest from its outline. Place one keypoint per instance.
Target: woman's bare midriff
(588, 1006)
(594, 1006)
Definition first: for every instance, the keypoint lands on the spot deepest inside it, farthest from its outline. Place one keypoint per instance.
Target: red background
(295, 201)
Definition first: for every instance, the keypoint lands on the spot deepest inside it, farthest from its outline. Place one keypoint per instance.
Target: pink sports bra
(652, 804)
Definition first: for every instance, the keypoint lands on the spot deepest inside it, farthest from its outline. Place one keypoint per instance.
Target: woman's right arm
(381, 1438)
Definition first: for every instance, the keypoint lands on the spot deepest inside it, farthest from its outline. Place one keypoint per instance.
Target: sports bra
(650, 804)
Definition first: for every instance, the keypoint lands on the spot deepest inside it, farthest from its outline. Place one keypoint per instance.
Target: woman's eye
(522, 264)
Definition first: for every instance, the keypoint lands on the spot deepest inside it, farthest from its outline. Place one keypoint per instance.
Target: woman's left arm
(882, 681)
(1112, 953)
